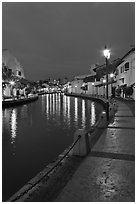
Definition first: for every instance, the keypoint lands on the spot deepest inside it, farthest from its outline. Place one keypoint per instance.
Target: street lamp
(12, 83)
(111, 75)
(107, 56)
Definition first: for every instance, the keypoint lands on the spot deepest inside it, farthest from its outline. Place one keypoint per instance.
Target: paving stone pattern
(107, 174)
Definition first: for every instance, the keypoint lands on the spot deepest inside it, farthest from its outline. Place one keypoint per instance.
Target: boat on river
(23, 100)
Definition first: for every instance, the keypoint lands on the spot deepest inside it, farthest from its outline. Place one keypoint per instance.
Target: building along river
(35, 134)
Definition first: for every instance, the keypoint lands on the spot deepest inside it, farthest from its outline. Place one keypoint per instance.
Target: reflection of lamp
(83, 113)
(107, 56)
(13, 124)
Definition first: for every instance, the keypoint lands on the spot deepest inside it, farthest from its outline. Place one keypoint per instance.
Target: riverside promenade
(107, 174)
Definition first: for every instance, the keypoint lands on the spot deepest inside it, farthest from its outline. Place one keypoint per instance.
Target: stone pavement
(107, 174)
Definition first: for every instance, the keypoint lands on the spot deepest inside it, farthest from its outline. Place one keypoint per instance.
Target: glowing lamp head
(75, 86)
(104, 80)
(106, 53)
(12, 83)
(111, 75)
(92, 83)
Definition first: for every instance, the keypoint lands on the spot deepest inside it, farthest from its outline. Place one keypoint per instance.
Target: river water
(35, 134)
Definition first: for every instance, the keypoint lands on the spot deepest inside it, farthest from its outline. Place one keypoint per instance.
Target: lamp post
(111, 76)
(104, 82)
(107, 56)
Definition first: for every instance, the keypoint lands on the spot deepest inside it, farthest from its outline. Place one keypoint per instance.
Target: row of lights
(111, 76)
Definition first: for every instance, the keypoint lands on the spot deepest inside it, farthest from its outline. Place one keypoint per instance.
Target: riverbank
(90, 97)
(15, 102)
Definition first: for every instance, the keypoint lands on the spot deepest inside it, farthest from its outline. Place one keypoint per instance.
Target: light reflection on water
(83, 113)
(13, 125)
(36, 133)
(93, 115)
(76, 111)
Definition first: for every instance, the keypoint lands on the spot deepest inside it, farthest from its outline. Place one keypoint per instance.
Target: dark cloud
(59, 39)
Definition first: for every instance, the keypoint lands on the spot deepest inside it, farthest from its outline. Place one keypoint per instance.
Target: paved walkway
(108, 172)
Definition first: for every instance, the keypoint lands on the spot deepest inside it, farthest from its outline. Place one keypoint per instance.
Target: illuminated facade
(126, 70)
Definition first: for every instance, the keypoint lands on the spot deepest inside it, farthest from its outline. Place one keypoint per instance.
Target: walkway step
(110, 155)
(118, 127)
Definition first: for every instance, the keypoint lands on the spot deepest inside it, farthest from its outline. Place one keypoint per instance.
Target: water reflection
(47, 106)
(57, 105)
(68, 110)
(43, 103)
(53, 103)
(43, 129)
(13, 125)
(76, 111)
(23, 111)
(93, 115)
(83, 114)
(65, 106)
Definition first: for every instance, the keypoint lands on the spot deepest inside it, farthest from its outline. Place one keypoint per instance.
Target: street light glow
(12, 82)
(106, 53)
(111, 75)
(104, 80)
(92, 83)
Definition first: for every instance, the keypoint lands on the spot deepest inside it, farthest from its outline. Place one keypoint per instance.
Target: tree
(129, 91)
(7, 74)
(118, 91)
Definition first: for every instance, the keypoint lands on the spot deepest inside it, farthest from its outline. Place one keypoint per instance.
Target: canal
(35, 134)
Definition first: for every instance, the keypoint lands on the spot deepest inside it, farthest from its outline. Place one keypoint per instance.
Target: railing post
(115, 106)
(82, 147)
(111, 110)
(103, 120)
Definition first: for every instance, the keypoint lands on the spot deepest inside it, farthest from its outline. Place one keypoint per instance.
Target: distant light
(76, 86)
(92, 83)
(104, 80)
(106, 53)
(111, 75)
(12, 82)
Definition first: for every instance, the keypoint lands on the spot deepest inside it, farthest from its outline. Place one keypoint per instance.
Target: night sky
(64, 39)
